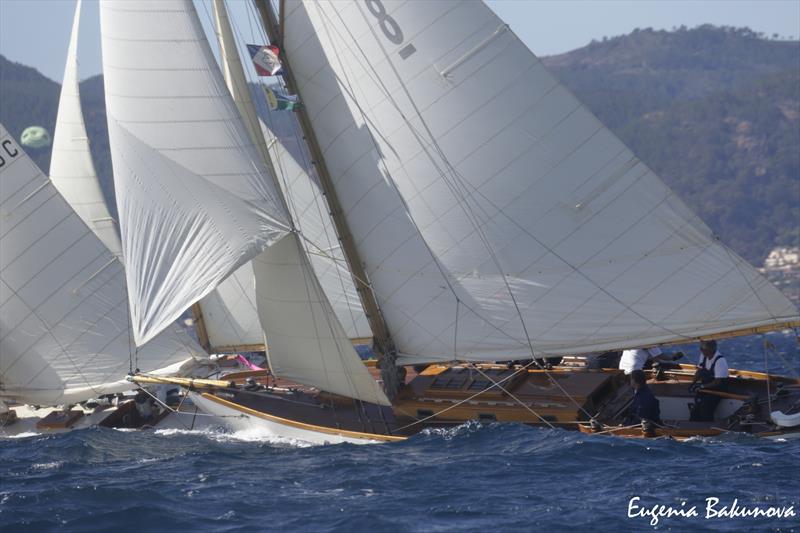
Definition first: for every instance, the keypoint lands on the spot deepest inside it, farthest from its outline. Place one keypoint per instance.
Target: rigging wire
(513, 396)
(766, 371)
(470, 398)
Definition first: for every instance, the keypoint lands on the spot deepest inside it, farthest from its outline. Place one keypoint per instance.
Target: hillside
(714, 111)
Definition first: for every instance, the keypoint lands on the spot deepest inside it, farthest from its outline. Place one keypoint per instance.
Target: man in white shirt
(636, 359)
(712, 374)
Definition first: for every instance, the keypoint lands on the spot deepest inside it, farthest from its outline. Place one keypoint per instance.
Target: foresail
(195, 200)
(229, 312)
(307, 344)
(311, 215)
(71, 168)
(64, 329)
(495, 214)
(230, 315)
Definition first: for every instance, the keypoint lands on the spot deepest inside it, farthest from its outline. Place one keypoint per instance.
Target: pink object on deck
(242, 359)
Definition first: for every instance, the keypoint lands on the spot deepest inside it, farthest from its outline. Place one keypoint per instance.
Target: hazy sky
(36, 32)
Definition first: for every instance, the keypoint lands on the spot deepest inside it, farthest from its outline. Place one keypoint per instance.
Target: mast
(382, 340)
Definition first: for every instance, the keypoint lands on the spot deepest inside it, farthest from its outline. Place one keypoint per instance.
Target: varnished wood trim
(200, 327)
(302, 425)
(236, 348)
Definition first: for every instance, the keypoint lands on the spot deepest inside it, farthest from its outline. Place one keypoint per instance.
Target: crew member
(712, 374)
(645, 405)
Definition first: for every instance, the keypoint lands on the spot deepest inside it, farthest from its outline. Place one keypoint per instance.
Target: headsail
(71, 167)
(64, 328)
(307, 344)
(494, 213)
(310, 214)
(195, 200)
(229, 312)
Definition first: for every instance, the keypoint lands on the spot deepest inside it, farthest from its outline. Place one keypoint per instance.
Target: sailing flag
(280, 101)
(265, 59)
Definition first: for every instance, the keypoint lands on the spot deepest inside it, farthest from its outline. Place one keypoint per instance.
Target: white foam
(23, 435)
(246, 435)
(48, 466)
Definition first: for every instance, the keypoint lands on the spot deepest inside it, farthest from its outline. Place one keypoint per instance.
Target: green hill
(714, 111)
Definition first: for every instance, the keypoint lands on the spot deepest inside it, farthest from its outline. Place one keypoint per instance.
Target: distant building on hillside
(782, 268)
(783, 258)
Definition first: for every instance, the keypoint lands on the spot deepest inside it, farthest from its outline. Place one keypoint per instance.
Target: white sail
(311, 216)
(307, 344)
(71, 167)
(229, 312)
(64, 329)
(194, 197)
(493, 212)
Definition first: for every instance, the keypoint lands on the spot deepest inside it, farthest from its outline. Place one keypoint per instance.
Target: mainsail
(194, 197)
(71, 168)
(64, 328)
(495, 215)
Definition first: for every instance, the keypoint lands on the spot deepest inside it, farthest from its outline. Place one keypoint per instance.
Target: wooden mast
(381, 337)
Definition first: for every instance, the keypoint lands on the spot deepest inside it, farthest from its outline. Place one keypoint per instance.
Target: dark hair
(637, 376)
(711, 345)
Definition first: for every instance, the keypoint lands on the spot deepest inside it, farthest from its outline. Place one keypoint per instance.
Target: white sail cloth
(494, 213)
(229, 313)
(307, 344)
(310, 213)
(64, 330)
(194, 198)
(71, 167)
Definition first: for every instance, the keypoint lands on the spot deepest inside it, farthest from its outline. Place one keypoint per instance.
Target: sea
(490, 477)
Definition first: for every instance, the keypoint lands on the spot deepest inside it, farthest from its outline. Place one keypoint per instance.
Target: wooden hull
(241, 418)
(447, 396)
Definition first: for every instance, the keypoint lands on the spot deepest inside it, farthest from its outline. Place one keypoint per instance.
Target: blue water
(471, 478)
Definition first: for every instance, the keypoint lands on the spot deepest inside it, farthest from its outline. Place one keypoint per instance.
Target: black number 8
(388, 25)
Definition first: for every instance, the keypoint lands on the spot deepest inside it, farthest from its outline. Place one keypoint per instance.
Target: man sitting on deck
(645, 404)
(712, 374)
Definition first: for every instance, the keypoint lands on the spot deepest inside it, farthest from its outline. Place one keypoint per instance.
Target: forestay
(195, 200)
(307, 344)
(494, 213)
(64, 329)
(71, 167)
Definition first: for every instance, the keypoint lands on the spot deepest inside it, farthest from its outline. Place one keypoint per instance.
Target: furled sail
(307, 344)
(64, 328)
(494, 213)
(194, 197)
(71, 167)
